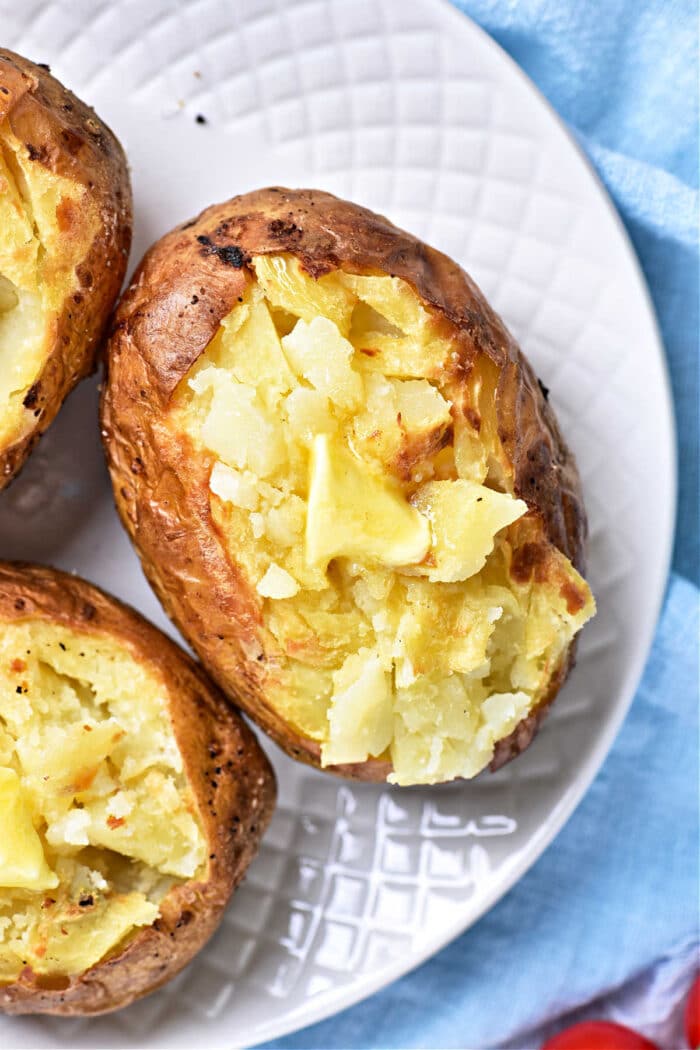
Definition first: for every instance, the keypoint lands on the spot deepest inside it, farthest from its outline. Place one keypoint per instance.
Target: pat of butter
(354, 513)
(22, 861)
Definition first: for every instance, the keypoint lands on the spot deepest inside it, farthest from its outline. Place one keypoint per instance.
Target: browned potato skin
(70, 140)
(194, 274)
(235, 806)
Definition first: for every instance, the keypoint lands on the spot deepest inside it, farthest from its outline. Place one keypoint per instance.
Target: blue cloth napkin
(609, 914)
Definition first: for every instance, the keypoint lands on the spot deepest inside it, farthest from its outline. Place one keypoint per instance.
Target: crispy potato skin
(235, 806)
(195, 274)
(68, 139)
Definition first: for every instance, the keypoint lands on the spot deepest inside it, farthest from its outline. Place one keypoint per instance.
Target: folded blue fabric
(616, 895)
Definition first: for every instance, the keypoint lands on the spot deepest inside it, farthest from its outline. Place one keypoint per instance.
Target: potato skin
(67, 138)
(194, 274)
(235, 806)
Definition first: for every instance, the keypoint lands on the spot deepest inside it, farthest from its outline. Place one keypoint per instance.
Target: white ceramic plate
(412, 110)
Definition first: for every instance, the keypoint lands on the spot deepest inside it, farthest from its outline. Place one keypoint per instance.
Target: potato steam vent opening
(99, 820)
(412, 608)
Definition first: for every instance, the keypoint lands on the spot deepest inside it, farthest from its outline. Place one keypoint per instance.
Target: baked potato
(133, 798)
(65, 233)
(346, 486)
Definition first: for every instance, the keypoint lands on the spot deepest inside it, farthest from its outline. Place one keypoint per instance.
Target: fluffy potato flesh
(99, 821)
(46, 227)
(359, 481)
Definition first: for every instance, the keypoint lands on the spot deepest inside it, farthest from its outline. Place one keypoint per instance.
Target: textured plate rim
(328, 1004)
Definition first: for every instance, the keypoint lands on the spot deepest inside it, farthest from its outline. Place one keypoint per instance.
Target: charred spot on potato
(32, 396)
(284, 229)
(230, 254)
(543, 389)
(37, 153)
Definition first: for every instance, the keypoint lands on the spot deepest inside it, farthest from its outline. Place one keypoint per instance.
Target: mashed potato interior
(358, 477)
(98, 819)
(45, 229)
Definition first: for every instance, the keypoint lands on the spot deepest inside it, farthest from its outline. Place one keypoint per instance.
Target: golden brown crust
(64, 136)
(194, 274)
(229, 774)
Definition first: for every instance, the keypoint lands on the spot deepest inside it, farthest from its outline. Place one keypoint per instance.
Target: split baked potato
(133, 798)
(65, 233)
(346, 487)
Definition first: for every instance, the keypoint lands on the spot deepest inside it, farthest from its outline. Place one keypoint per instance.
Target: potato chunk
(318, 353)
(402, 425)
(288, 287)
(237, 426)
(465, 518)
(360, 713)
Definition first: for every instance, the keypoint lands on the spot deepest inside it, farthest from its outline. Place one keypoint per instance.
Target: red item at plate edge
(692, 1015)
(598, 1035)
